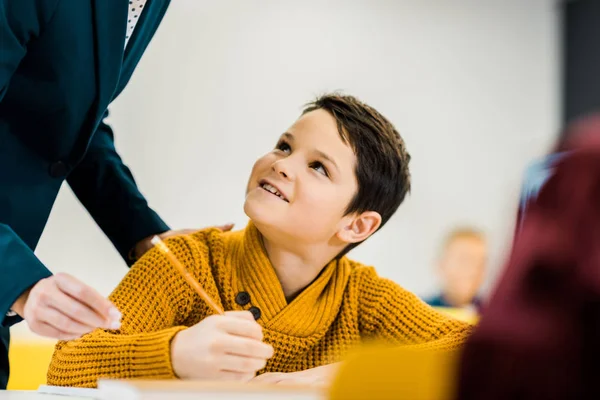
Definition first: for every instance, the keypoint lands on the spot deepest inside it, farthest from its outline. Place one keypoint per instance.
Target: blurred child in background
(461, 268)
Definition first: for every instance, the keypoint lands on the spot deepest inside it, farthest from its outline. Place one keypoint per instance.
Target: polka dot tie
(133, 15)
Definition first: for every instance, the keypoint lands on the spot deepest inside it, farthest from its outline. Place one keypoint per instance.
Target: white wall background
(472, 85)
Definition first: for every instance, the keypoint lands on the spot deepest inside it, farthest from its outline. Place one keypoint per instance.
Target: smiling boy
(334, 178)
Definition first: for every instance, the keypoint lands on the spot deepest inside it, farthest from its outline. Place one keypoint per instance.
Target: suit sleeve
(20, 269)
(20, 22)
(107, 189)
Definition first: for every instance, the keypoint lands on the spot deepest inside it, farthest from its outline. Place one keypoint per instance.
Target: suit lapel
(110, 17)
(142, 32)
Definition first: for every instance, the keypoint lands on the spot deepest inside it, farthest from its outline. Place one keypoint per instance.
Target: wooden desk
(33, 395)
(173, 390)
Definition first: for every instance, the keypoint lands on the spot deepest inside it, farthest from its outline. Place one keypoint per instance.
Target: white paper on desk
(69, 391)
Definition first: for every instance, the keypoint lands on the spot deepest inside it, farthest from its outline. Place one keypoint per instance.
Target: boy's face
(462, 268)
(300, 190)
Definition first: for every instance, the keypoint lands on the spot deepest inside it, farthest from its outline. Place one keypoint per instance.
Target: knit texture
(344, 306)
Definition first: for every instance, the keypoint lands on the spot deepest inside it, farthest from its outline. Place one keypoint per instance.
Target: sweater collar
(312, 311)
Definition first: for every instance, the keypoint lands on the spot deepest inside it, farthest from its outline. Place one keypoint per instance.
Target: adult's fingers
(78, 311)
(88, 296)
(61, 322)
(225, 228)
(43, 329)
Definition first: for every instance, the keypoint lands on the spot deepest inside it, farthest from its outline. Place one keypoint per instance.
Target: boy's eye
(283, 146)
(320, 168)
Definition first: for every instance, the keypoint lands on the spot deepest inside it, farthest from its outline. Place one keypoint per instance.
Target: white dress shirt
(133, 15)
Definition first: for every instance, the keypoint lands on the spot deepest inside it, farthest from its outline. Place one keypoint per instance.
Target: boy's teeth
(271, 189)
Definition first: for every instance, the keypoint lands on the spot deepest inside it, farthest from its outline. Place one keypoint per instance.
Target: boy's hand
(319, 376)
(221, 347)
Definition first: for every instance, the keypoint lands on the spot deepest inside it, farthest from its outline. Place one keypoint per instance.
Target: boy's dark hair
(382, 160)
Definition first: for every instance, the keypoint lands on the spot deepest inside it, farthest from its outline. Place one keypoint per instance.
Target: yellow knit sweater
(346, 304)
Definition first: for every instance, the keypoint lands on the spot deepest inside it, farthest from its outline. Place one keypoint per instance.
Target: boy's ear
(359, 227)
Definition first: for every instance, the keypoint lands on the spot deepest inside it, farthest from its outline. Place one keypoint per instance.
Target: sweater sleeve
(389, 313)
(155, 300)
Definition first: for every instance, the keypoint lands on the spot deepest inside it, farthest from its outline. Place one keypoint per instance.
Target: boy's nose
(283, 169)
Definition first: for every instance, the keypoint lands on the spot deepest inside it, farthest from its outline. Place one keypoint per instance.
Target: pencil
(188, 277)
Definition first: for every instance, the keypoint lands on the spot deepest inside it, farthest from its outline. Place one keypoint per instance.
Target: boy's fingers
(242, 323)
(245, 365)
(269, 377)
(235, 376)
(240, 314)
(246, 347)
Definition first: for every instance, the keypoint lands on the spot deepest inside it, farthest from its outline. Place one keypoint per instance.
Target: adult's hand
(62, 307)
(145, 244)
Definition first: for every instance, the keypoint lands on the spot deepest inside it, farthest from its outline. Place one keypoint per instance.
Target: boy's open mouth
(273, 190)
